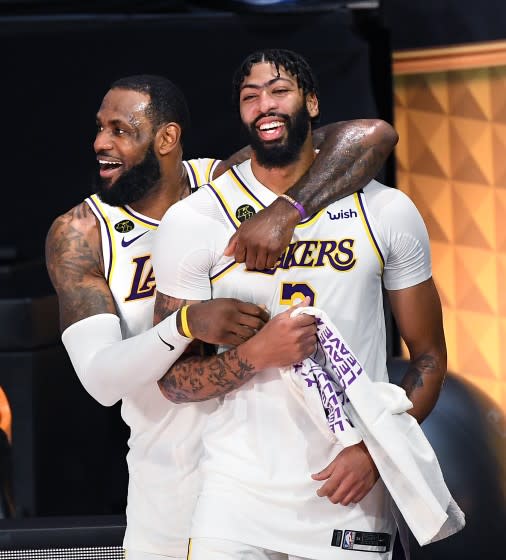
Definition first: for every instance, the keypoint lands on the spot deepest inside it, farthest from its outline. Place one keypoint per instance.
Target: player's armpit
(75, 266)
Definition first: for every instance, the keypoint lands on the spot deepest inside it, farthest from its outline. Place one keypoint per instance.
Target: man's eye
(249, 97)
(280, 91)
(119, 131)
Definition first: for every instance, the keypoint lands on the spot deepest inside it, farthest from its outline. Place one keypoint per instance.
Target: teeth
(108, 164)
(271, 125)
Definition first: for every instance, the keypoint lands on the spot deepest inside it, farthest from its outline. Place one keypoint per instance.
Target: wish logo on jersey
(317, 253)
(342, 214)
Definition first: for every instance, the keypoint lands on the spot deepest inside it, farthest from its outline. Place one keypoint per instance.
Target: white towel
(404, 457)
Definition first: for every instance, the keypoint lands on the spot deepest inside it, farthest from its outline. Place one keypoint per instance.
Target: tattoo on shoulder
(72, 246)
(75, 265)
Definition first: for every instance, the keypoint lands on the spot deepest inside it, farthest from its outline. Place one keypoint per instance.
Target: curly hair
(292, 62)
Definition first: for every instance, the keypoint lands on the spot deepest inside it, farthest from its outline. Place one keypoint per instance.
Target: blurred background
(435, 69)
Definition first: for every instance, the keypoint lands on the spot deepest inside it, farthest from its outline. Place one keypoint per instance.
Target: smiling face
(128, 166)
(276, 114)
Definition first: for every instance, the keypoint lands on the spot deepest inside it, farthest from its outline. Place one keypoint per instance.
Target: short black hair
(291, 61)
(167, 102)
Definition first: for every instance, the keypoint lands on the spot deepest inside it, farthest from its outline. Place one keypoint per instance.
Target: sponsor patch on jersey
(361, 540)
(124, 226)
(244, 212)
(343, 214)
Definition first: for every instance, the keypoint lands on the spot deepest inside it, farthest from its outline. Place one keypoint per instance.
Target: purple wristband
(297, 205)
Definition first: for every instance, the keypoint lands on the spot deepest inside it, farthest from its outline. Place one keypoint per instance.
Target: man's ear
(312, 105)
(167, 138)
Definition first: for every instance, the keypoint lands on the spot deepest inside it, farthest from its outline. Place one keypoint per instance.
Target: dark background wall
(57, 69)
(58, 58)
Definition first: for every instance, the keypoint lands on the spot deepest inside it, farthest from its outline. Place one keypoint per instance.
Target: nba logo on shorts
(349, 538)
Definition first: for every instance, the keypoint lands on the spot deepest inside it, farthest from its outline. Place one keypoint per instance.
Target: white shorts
(218, 549)
(139, 555)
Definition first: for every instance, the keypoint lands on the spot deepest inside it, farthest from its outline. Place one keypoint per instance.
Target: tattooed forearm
(165, 306)
(414, 376)
(198, 379)
(349, 159)
(422, 382)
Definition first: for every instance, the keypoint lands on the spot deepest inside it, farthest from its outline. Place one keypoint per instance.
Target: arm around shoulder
(351, 154)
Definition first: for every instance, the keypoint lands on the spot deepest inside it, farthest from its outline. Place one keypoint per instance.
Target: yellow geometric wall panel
(450, 112)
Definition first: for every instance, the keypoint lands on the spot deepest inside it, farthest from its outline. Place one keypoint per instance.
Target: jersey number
(292, 294)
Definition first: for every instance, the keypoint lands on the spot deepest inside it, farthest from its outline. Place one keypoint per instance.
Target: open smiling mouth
(271, 130)
(107, 168)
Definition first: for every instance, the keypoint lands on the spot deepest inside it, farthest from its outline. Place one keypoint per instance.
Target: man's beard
(131, 185)
(282, 152)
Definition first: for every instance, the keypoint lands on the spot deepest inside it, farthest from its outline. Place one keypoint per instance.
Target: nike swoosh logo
(166, 343)
(126, 243)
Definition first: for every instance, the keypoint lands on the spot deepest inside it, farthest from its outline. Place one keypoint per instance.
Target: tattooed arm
(194, 377)
(351, 154)
(417, 312)
(108, 366)
(75, 266)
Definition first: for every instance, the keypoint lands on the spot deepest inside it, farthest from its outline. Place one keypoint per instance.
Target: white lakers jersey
(165, 438)
(261, 445)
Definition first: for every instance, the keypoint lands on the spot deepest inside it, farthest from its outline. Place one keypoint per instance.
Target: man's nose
(102, 141)
(267, 103)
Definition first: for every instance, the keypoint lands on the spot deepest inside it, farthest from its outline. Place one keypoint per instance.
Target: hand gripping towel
(349, 407)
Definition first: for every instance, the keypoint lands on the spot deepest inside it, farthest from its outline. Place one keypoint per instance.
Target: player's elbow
(106, 396)
(105, 400)
(171, 393)
(177, 395)
(383, 133)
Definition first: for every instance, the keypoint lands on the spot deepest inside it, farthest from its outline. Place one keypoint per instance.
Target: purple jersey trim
(109, 268)
(245, 187)
(224, 269)
(222, 204)
(140, 217)
(193, 179)
(364, 213)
